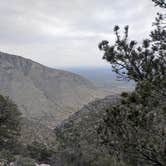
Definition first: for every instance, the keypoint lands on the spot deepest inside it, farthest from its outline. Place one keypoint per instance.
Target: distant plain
(103, 77)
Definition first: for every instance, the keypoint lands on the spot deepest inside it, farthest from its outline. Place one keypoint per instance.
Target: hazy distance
(102, 77)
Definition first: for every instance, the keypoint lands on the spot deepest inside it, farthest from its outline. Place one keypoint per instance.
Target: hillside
(44, 95)
(78, 138)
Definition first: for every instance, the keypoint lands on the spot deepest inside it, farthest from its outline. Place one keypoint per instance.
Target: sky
(66, 33)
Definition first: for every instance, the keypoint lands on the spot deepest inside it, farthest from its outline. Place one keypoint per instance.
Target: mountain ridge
(44, 95)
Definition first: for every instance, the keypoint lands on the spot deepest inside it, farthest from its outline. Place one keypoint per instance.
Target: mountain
(79, 143)
(114, 131)
(44, 95)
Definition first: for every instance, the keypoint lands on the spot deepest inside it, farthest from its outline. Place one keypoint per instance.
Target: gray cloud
(66, 33)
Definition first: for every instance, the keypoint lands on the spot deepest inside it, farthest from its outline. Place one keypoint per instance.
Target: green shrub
(40, 152)
(9, 123)
(6, 156)
(24, 161)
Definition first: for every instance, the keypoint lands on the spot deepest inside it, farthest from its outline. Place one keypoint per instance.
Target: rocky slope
(44, 95)
(79, 143)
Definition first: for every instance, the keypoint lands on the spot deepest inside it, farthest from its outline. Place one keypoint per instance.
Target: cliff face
(43, 94)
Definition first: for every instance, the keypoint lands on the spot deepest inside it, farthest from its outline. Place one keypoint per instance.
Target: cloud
(66, 33)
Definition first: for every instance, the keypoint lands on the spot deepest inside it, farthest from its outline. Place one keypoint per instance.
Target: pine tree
(134, 131)
(9, 122)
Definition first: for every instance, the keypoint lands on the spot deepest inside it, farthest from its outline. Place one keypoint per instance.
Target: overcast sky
(60, 33)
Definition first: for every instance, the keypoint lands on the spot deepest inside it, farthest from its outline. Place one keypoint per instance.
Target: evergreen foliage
(11, 150)
(134, 130)
(40, 152)
(24, 161)
(160, 3)
(145, 64)
(9, 123)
